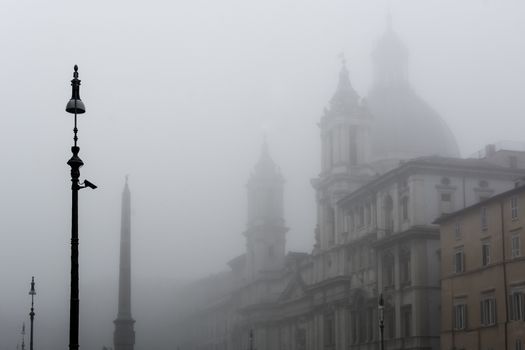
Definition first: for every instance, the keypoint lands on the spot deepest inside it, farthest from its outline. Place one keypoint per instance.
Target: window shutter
(454, 317)
(494, 311)
(522, 305)
(481, 313)
(512, 316)
(466, 317)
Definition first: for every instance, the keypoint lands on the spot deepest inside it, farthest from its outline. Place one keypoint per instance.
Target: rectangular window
(514, 207)
(362, 326)
(406, 320)
(488, 311)
(459, 261)
(329, 330)
(517, 306)
(485, 253)
(460, 316)
(354, 327)
(515, 245)
(390, 323)
(446, 203)
(370, 324)
(388, 271)
(371, 257)
(484, 224)
(362, 257)
(457, 231)
(405, 268)
(518, 345)
(404, 205)
(300, 339)
(446, 197)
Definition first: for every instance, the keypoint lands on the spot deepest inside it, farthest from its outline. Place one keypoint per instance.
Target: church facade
(389, 167)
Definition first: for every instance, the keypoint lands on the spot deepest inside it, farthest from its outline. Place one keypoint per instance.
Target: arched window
(330, 224)
(353, 146)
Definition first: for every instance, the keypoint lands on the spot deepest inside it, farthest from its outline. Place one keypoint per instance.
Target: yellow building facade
(483, 274)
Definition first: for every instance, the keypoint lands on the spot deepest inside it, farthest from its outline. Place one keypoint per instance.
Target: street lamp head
(75, 104)
(32, 291)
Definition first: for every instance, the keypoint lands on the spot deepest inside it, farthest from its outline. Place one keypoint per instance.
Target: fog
(179, 95)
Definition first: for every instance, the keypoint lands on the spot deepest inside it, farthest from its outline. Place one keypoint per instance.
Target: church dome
(405, 126)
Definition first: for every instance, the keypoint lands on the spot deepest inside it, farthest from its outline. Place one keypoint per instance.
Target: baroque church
(389, 167)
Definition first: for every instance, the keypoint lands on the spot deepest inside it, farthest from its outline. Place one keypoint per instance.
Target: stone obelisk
(124, 335)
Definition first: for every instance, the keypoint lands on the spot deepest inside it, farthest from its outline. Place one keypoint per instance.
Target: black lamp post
(381, 307)
(251, 339)
(75, 106)
(32, 313)
(23, 336)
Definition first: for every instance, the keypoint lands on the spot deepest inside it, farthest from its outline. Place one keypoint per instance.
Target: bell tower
(345, 155)
(266, 230)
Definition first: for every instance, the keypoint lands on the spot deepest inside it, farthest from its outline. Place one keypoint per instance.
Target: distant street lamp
(23, 336)
(75, 106)
(381, 307)
(251, 339)
(32, 313)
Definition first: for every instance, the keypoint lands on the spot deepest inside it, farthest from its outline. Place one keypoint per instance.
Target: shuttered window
(458, 262)
(488, 311)
(460, 316)
(514, 207)
(517, 306)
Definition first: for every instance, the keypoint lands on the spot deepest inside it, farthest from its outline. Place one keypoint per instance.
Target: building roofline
(240, 259)
(446, 217)
(431, 162)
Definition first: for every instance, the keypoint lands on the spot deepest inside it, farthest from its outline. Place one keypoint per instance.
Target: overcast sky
(179, 95)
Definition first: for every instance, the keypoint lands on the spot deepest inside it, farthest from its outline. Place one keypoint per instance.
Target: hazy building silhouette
(124, 335)
(265, 232)
(389, 168)
(405, 126)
